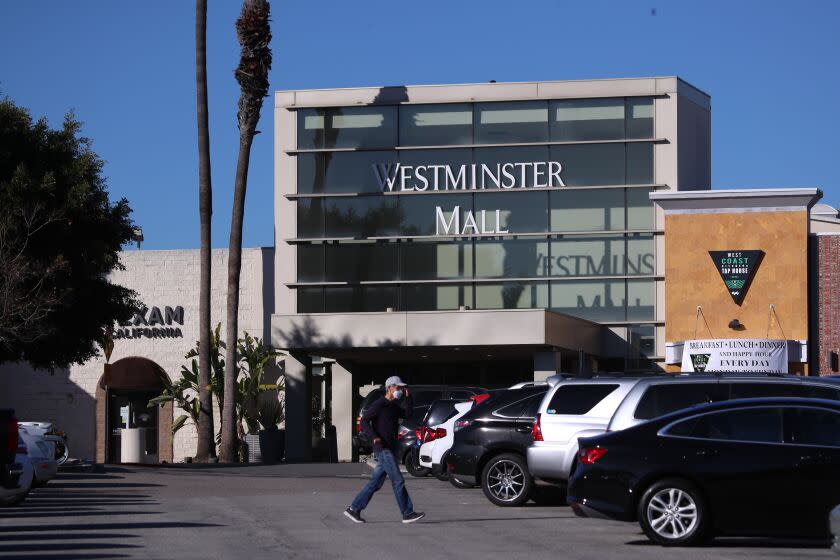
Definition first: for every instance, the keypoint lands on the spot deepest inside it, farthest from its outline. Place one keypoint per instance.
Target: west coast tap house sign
(737, 269)
(153, 323)
(399, 178)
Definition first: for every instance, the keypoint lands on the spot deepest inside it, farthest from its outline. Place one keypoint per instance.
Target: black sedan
(750, 467)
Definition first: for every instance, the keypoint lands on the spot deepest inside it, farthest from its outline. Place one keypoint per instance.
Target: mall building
(487, 234)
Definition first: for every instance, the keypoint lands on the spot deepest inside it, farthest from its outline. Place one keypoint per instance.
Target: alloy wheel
(506, 480)
(672, 513)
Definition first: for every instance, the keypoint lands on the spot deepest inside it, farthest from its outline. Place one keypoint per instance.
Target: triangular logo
(737, 269)
(699, 362)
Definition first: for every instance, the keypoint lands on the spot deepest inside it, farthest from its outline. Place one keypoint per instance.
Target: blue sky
(127, 69)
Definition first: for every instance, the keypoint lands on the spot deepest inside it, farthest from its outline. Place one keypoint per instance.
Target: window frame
(663, 432)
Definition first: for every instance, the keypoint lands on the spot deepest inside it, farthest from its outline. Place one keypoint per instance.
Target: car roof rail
(740, 373)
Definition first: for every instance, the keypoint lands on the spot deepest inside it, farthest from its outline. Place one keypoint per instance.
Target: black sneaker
(413, 516)
(353, 515)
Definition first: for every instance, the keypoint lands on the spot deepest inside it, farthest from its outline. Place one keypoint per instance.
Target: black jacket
(381, 420)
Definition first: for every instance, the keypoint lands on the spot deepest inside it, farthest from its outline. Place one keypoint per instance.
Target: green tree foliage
(60, 237)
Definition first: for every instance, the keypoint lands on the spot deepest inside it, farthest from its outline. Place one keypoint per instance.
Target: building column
(546, 364)
(342, 410)
(298, 409)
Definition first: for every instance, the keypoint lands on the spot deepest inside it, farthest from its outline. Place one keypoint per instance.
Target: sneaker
(354, 515)
(413, 516)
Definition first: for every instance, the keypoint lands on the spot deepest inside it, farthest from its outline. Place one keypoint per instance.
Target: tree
(254, 34)
(206, 442)
(60, 237)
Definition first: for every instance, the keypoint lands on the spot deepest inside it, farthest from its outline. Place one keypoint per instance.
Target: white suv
(586, 407)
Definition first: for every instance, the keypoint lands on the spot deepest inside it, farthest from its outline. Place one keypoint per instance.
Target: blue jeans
(386, 465)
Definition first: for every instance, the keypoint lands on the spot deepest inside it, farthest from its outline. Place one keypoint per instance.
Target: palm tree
(254, 34)
(206, 442)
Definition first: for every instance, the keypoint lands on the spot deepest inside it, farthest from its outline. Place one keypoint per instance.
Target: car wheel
(412, 465)
(458, 484)
(506, 480)
(672, 513)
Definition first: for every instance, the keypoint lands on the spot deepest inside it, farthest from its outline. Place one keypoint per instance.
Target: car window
(811, 426)
(665, 398)
(761, 425)
(578, 399)
(440, 412)
(523, 408)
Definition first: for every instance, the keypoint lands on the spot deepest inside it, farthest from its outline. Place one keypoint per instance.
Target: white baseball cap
(394, 380)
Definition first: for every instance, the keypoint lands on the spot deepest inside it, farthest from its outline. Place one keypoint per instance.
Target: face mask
(398, 394)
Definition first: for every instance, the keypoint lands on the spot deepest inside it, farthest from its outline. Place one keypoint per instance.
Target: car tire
(413, 466)
(506, 481)
(672, 512)
(458, 484)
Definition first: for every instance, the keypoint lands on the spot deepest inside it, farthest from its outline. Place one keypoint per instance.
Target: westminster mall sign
(395, 178)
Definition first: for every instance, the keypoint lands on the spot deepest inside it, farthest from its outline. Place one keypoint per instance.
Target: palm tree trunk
(206, 442)
(254, 34)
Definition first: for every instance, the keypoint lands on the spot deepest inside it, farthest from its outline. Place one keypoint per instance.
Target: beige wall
(781, 279)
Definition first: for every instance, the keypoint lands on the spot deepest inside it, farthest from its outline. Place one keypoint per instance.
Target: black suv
(491, 442)
(423, 396)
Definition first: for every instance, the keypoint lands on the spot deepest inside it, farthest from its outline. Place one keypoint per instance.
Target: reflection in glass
(511, 258)
(358, 262)
(419, 297)
(588, 256)
(436, 125)
(310, 300)
(310, 217)
(422, 260)
(641, 300)
(509, 122)
(520, 212)
(587, 209)
(590, 164)
(310, 262)
(341, 299)
(601, 301)
(347, 127)
(361, 217)
(512, 295)
(639, 163)
(639, 209)
(641, 255)
(639, 117)
(340, 172)
(587, 119)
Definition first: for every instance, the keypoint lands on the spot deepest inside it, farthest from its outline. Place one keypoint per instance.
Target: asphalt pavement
(295, 511)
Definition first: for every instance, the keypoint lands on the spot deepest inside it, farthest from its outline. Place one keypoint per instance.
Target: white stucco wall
(161, 278)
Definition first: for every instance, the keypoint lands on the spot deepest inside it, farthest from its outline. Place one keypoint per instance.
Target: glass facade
(539, 204)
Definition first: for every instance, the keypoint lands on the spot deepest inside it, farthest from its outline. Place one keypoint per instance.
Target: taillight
(440, 433)
(358, 423)
(589, 455)
(536, 430)
(417, 434)
(478, 399)
(459, 424)
(402, 432)
(11, 436)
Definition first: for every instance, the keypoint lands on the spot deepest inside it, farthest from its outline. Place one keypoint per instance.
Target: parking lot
(295, 511)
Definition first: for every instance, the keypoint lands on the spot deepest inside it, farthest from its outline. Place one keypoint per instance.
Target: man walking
(380, 422)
